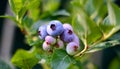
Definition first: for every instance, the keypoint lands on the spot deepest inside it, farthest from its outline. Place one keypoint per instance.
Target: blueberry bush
(63, 33)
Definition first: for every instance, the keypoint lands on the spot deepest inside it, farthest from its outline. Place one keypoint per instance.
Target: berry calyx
(53, 27)
(67, 36)
(70, 32)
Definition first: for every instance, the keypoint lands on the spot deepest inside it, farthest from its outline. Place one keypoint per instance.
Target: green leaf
(86, 28)
(61, 12)
(24, 59)
(103, 45)
(106, 26)
(89, 7)
(31, 4)
(34, 9)
(77, 65)
(61, 60)
(22, 12)
(34, 41)
(16, 5)
(115, 64)
(27, 24)
(12, 6)
(79, 2)
(82, 2)
(4, 65)
(115, 36)
(111, 23)
(34, 13)
(114, 14)
(51, 5)
(9, 17)
(94, 8)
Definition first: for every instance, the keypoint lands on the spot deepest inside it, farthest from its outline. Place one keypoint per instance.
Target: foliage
(24, 59)
(4, 65)
(61, 60)
(94, 21)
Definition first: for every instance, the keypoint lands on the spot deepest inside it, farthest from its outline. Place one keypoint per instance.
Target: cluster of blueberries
(57, 35)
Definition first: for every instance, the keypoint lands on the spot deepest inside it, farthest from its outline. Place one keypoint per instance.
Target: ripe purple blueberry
(42, 32)
(72, 48)
(50, 40)
(55, 28)
(67, 35)
(46, 47)
(63, 33)
(76, 39)
(67, 26)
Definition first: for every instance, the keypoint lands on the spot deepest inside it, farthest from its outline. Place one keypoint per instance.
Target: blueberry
(50, 40)
(67, 35)
(72, 48)
(67, 26)
(46, 46)
(76, 39)
(59, 44)
(42, 31)
(55, 28)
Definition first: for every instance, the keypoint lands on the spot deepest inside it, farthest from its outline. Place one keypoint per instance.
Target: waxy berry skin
(57, 35)
(46, 47)
(59, 44)
(72, 48)
(42, 32)
(76, 39)
(55, 28)
(67, 26)
(67, 35)
(50, 40)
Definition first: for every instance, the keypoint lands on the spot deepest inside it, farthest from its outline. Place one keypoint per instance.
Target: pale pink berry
(59, 44)
(46, 46)
(72, 48)
(50, 40)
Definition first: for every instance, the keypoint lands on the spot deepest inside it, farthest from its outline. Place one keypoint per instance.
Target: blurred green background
(105, 59)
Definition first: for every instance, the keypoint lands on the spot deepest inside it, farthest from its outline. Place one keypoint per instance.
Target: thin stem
(106, 36)
(80, 53)
(114, 30)
(85, 48)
